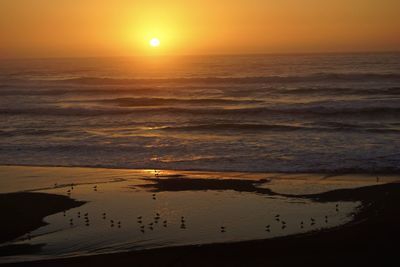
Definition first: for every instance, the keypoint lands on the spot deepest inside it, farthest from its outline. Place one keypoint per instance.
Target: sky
(86, 28)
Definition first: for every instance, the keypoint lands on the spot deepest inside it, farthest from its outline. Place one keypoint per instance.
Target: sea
(305, 113)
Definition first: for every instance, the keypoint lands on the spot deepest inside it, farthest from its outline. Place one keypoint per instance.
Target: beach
(241, 160)
(199, 133)
(367, 227)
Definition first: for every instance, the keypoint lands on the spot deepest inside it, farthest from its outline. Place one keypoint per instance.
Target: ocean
(332, 113)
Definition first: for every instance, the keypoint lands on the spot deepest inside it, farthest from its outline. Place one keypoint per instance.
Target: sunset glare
(154, 42)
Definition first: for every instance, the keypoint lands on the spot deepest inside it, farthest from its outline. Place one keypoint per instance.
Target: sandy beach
(367, 237)
(199, 133)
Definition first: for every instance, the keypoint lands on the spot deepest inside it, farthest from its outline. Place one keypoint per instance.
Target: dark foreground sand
(24, 212)
(370, 240)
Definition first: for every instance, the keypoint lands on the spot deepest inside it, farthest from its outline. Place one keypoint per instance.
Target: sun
(154, 42)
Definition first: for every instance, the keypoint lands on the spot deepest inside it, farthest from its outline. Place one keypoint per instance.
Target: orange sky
(62, 28)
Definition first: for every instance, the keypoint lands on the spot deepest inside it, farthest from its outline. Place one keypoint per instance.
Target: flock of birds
(157, 218)
(158, 221)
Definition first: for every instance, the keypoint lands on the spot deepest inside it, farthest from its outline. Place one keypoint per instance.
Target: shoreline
(368, 234)
(36, 206)
(326, 174)
(372, 230)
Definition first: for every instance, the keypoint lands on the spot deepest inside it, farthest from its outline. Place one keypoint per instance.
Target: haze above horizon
(45, 28)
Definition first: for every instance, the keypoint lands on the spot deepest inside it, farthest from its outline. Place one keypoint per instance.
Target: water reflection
(128, 214)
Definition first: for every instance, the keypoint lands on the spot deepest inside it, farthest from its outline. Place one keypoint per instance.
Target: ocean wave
(338, 91)
(30, 132)
(227, 91)
(232, 127)
(133, 102)
(292, 111)
(316, 77)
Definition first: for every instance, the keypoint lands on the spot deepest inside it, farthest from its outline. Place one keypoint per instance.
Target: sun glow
(154, 42)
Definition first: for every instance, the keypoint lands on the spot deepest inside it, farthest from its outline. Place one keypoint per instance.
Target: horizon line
(205, 55)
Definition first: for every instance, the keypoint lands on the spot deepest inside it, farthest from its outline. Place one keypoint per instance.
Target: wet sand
(24, 212)
(369, 239)
(33, 207)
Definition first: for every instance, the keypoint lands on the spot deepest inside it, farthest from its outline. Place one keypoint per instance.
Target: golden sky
(63, 28)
